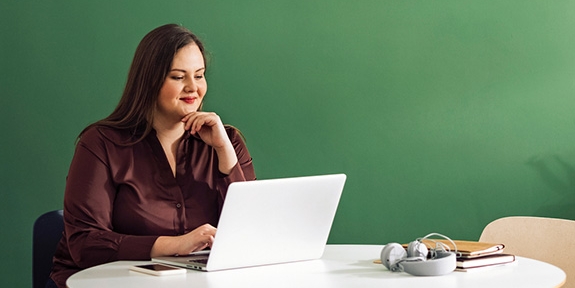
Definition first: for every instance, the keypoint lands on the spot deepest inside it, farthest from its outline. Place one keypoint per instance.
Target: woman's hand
(199, 239)
(209, 127)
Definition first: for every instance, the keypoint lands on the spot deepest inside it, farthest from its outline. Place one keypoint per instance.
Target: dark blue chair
(47, 232)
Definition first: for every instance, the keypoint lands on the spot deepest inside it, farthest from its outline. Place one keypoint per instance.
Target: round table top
(340, 266)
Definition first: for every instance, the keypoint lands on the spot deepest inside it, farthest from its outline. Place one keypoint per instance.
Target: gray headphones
(415, 260)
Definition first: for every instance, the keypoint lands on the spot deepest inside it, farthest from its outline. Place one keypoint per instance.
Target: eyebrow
(184, 71)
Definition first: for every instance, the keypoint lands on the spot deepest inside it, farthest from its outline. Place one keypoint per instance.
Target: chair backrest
(550, 240)
(47, 232)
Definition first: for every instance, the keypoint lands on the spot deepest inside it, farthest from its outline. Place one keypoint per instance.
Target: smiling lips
(188, 100)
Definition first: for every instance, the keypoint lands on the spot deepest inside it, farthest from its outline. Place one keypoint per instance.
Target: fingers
(194, 121)
(204, 237)
(206, 244)
(208, 231)
(196, 240)
(215, 134)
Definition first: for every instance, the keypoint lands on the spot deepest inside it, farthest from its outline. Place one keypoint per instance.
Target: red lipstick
(188, 100)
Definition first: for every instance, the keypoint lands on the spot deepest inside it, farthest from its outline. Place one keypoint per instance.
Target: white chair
(550, 240)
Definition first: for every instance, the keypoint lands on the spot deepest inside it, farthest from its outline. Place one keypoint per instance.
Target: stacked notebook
(475, 255)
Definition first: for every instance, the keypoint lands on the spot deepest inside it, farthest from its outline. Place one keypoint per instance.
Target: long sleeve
(88, 210)
(244, 169)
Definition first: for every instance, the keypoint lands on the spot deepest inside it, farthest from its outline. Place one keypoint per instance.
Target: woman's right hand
(199, 239)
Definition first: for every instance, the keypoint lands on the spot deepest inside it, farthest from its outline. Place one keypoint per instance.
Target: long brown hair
(150, 66)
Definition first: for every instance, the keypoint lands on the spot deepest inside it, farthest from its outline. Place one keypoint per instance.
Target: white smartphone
(158, 269)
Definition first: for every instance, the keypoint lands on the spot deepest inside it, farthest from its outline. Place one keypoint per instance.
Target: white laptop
(269, 222)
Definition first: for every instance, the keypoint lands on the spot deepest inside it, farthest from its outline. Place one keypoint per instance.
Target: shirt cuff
(136, 247)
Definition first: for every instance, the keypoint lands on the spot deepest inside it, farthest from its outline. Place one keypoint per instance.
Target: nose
(190, 86)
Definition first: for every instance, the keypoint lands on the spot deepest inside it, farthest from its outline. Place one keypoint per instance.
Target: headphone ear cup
(416, 249)
(391, 254)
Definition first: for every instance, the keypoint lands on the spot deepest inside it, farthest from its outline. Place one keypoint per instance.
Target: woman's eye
(178, 77)
(199, 76)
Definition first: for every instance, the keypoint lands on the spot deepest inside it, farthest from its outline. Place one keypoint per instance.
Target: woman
(150, 179)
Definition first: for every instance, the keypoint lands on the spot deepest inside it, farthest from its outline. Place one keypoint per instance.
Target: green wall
(444, 114)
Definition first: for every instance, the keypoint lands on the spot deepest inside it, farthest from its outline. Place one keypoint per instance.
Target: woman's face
(184, 87)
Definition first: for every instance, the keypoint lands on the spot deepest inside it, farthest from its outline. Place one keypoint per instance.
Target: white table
(341, 266)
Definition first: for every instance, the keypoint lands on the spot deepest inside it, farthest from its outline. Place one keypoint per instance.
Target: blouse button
(178, 205)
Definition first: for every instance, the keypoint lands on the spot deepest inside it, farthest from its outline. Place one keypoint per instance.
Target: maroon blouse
(120, 198)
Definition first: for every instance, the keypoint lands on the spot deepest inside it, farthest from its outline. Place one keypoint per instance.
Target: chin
(189, 110)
